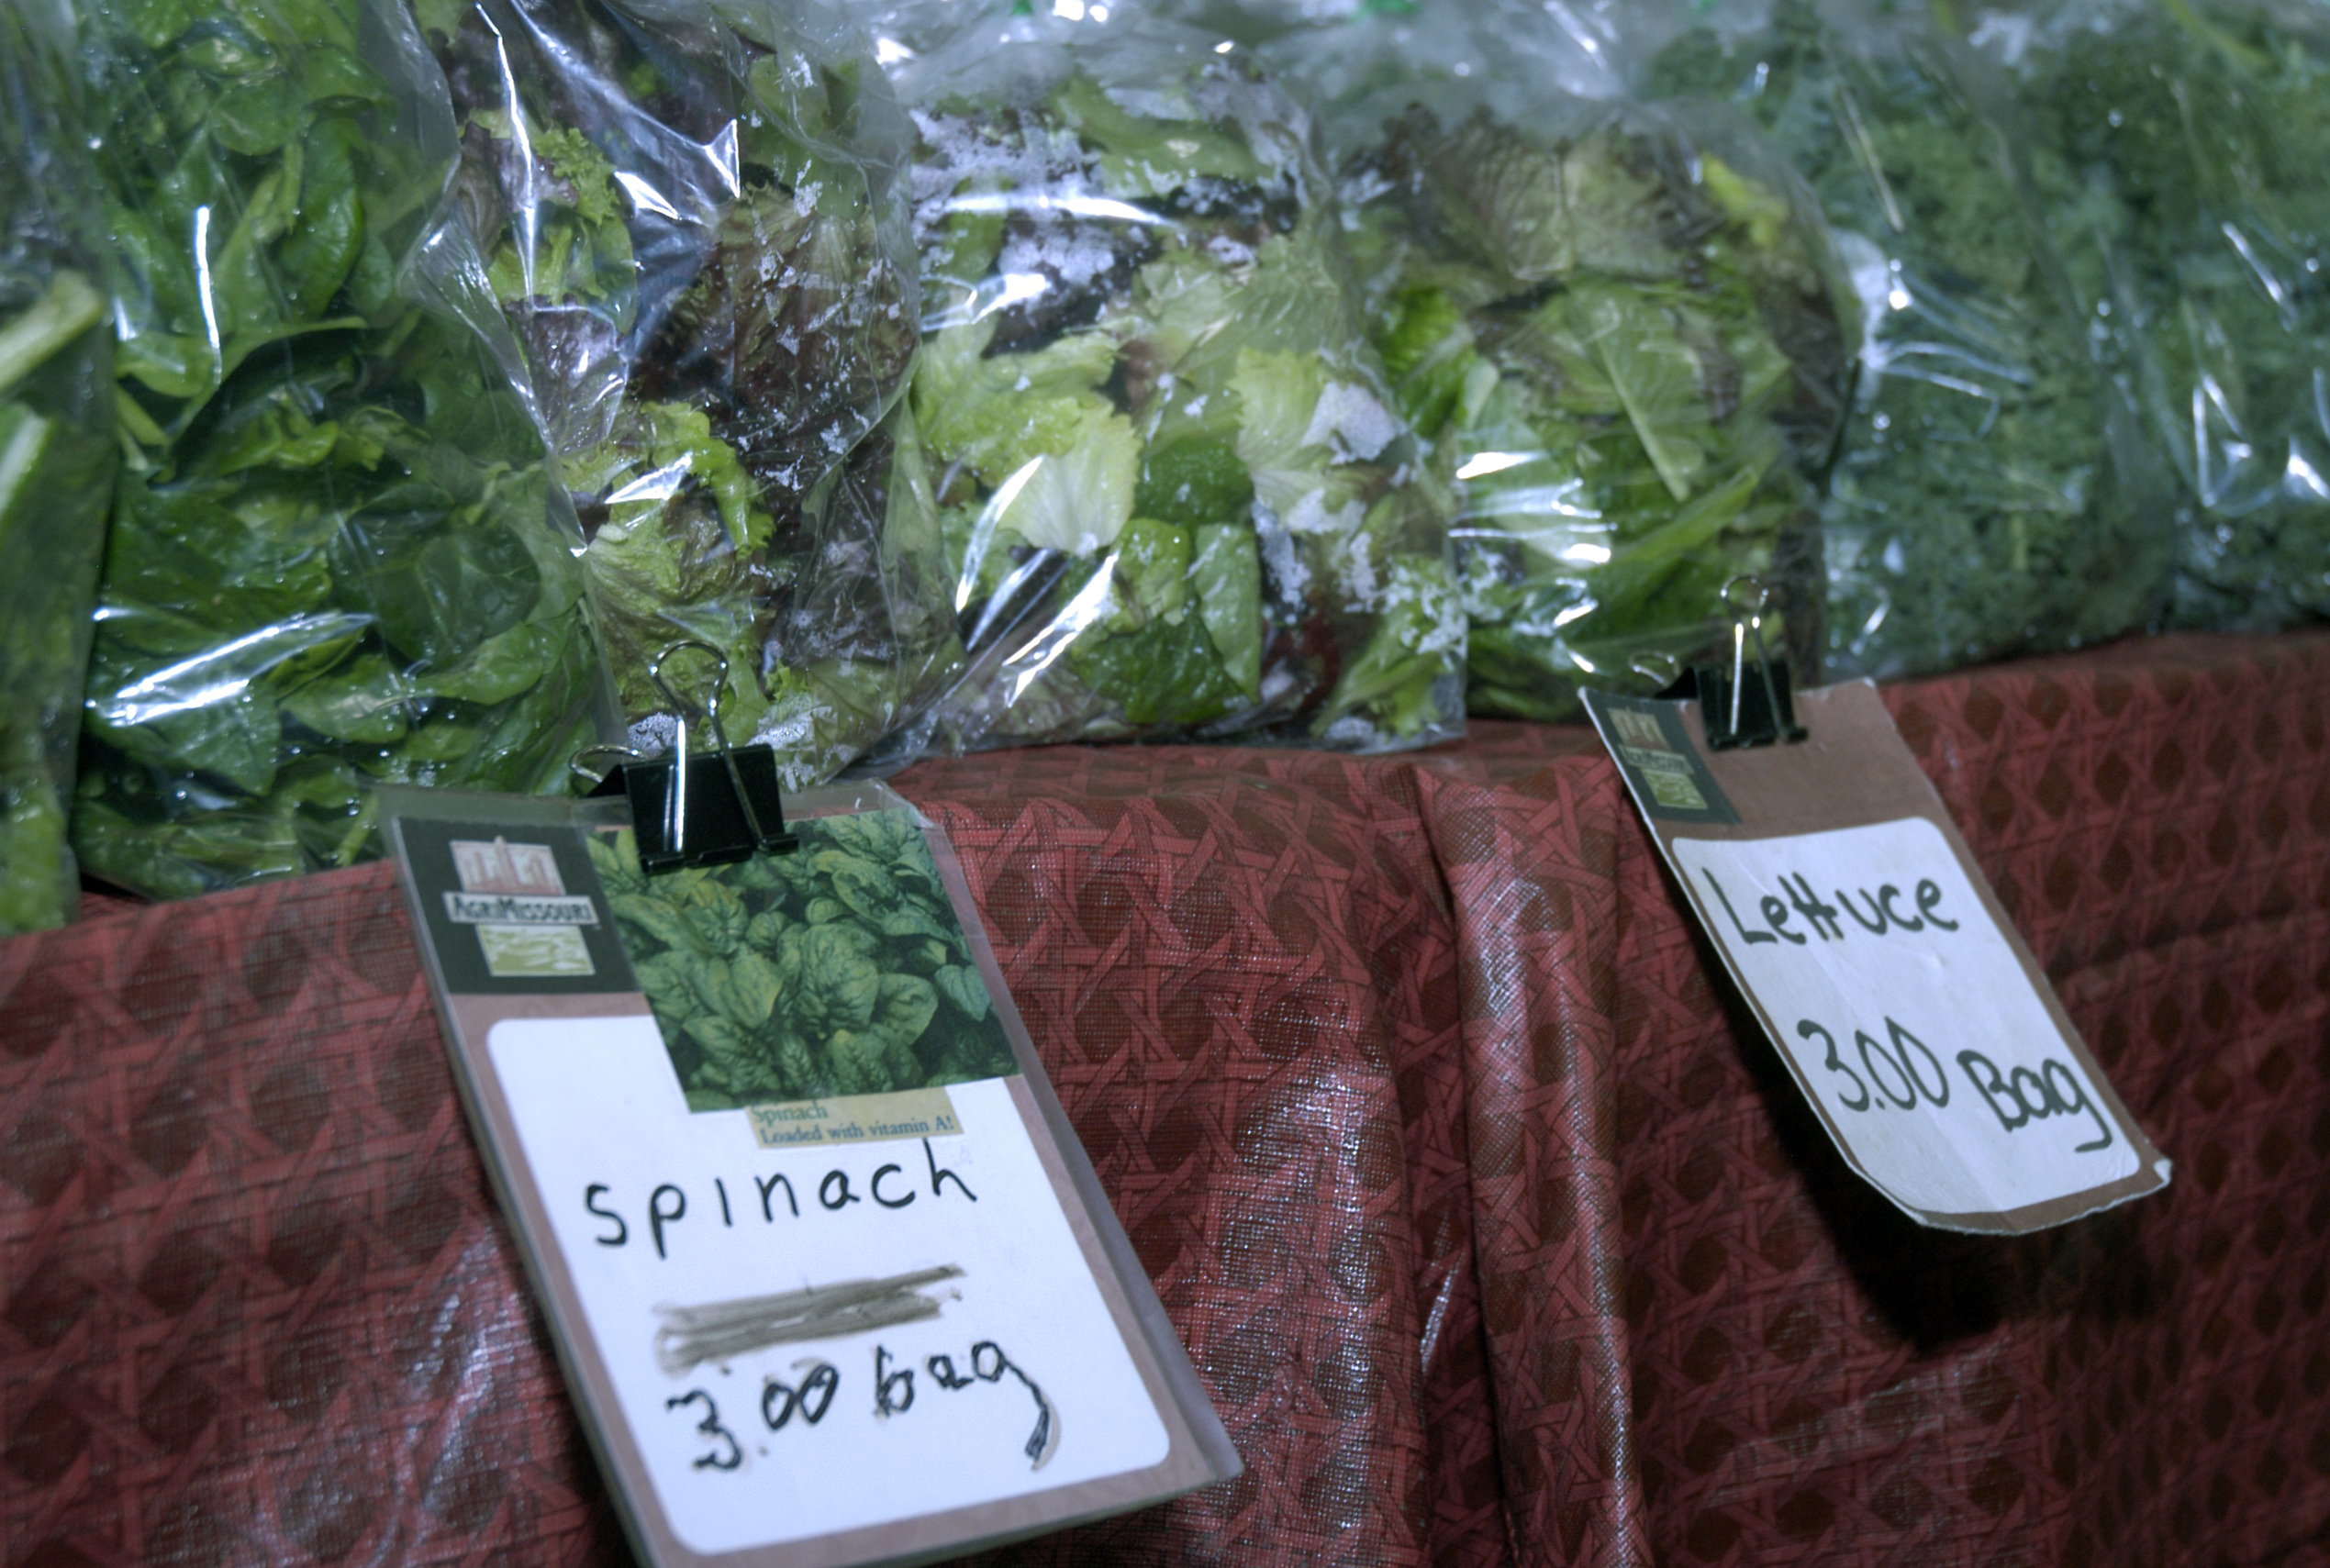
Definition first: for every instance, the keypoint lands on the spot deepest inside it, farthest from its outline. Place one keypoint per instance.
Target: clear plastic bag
(1175, 495)
(337, 555)
(2195, 144)
(57, 456)
(696, 223)
(1989, 500)
(1619, 326)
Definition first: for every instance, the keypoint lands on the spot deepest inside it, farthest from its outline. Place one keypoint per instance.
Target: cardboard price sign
(831, 1278)
(1871, 948)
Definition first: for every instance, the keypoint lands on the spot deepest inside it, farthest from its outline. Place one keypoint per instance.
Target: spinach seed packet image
(840, 969)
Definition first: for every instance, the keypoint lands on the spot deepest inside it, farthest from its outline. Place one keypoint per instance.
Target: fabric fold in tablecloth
(1538, 916)
(1239, 968)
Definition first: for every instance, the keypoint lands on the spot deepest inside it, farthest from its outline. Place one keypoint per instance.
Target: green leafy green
(1628, 355)
(2188, 149)
(840, 969)
(58, 457)
(716, 346)
(1142, 156)
(1227, 578)
(1164, 672)
(335, 558)
(1079, 498)
(1978, 509)
(1177, 496)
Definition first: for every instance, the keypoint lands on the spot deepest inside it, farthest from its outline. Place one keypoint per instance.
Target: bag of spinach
(1989, 499)
(2200, 133)
(1620, 330)
(697, 227)
(1176, 499)
(337, 556)
(57, 456)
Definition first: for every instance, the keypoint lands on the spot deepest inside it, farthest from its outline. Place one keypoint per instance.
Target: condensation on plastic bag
(1989, 499)
(57, 456)
(337, 556)
(2200, 139)
(697, 225)
(1175, 496)
(1620, 326)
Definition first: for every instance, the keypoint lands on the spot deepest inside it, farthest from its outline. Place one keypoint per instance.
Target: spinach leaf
(838, 970)
(58, 457)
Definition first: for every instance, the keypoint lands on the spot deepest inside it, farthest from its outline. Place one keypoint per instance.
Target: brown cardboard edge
(1864, 798)
(1198, 1451)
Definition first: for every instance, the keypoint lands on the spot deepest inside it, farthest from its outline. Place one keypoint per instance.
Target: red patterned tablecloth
(1495, 1234)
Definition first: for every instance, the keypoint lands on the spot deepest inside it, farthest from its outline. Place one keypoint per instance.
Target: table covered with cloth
(1495, 1231)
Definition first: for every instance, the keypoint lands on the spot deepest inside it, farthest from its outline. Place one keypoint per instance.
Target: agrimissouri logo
(1664, 770)
(526, 922)
(1642, 742)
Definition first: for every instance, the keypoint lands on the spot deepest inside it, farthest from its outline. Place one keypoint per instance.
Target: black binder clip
(688, 814)
(1740, 709)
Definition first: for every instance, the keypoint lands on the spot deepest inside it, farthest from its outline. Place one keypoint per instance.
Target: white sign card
(831, 1280)
(1901, 998)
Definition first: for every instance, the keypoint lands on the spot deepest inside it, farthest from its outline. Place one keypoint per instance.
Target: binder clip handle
(687, 815)
(1740, 707)
(594, 776)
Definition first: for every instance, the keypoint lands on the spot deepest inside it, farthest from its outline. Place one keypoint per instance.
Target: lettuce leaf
(1078, 500)
(1226, 573)
(996, 412)
(1286, 446)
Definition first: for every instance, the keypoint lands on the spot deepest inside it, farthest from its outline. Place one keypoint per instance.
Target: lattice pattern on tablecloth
(1493, 1230)
(1725, 1349)
(259, 1307)
(1246, 961)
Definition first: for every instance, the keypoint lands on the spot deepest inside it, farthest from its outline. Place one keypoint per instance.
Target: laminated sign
(831, 1280)
(1901, 996)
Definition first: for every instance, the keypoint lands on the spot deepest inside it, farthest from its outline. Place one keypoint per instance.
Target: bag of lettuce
(1992, 496)
(1176, 494)
(1620, 327)
(696, 223)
